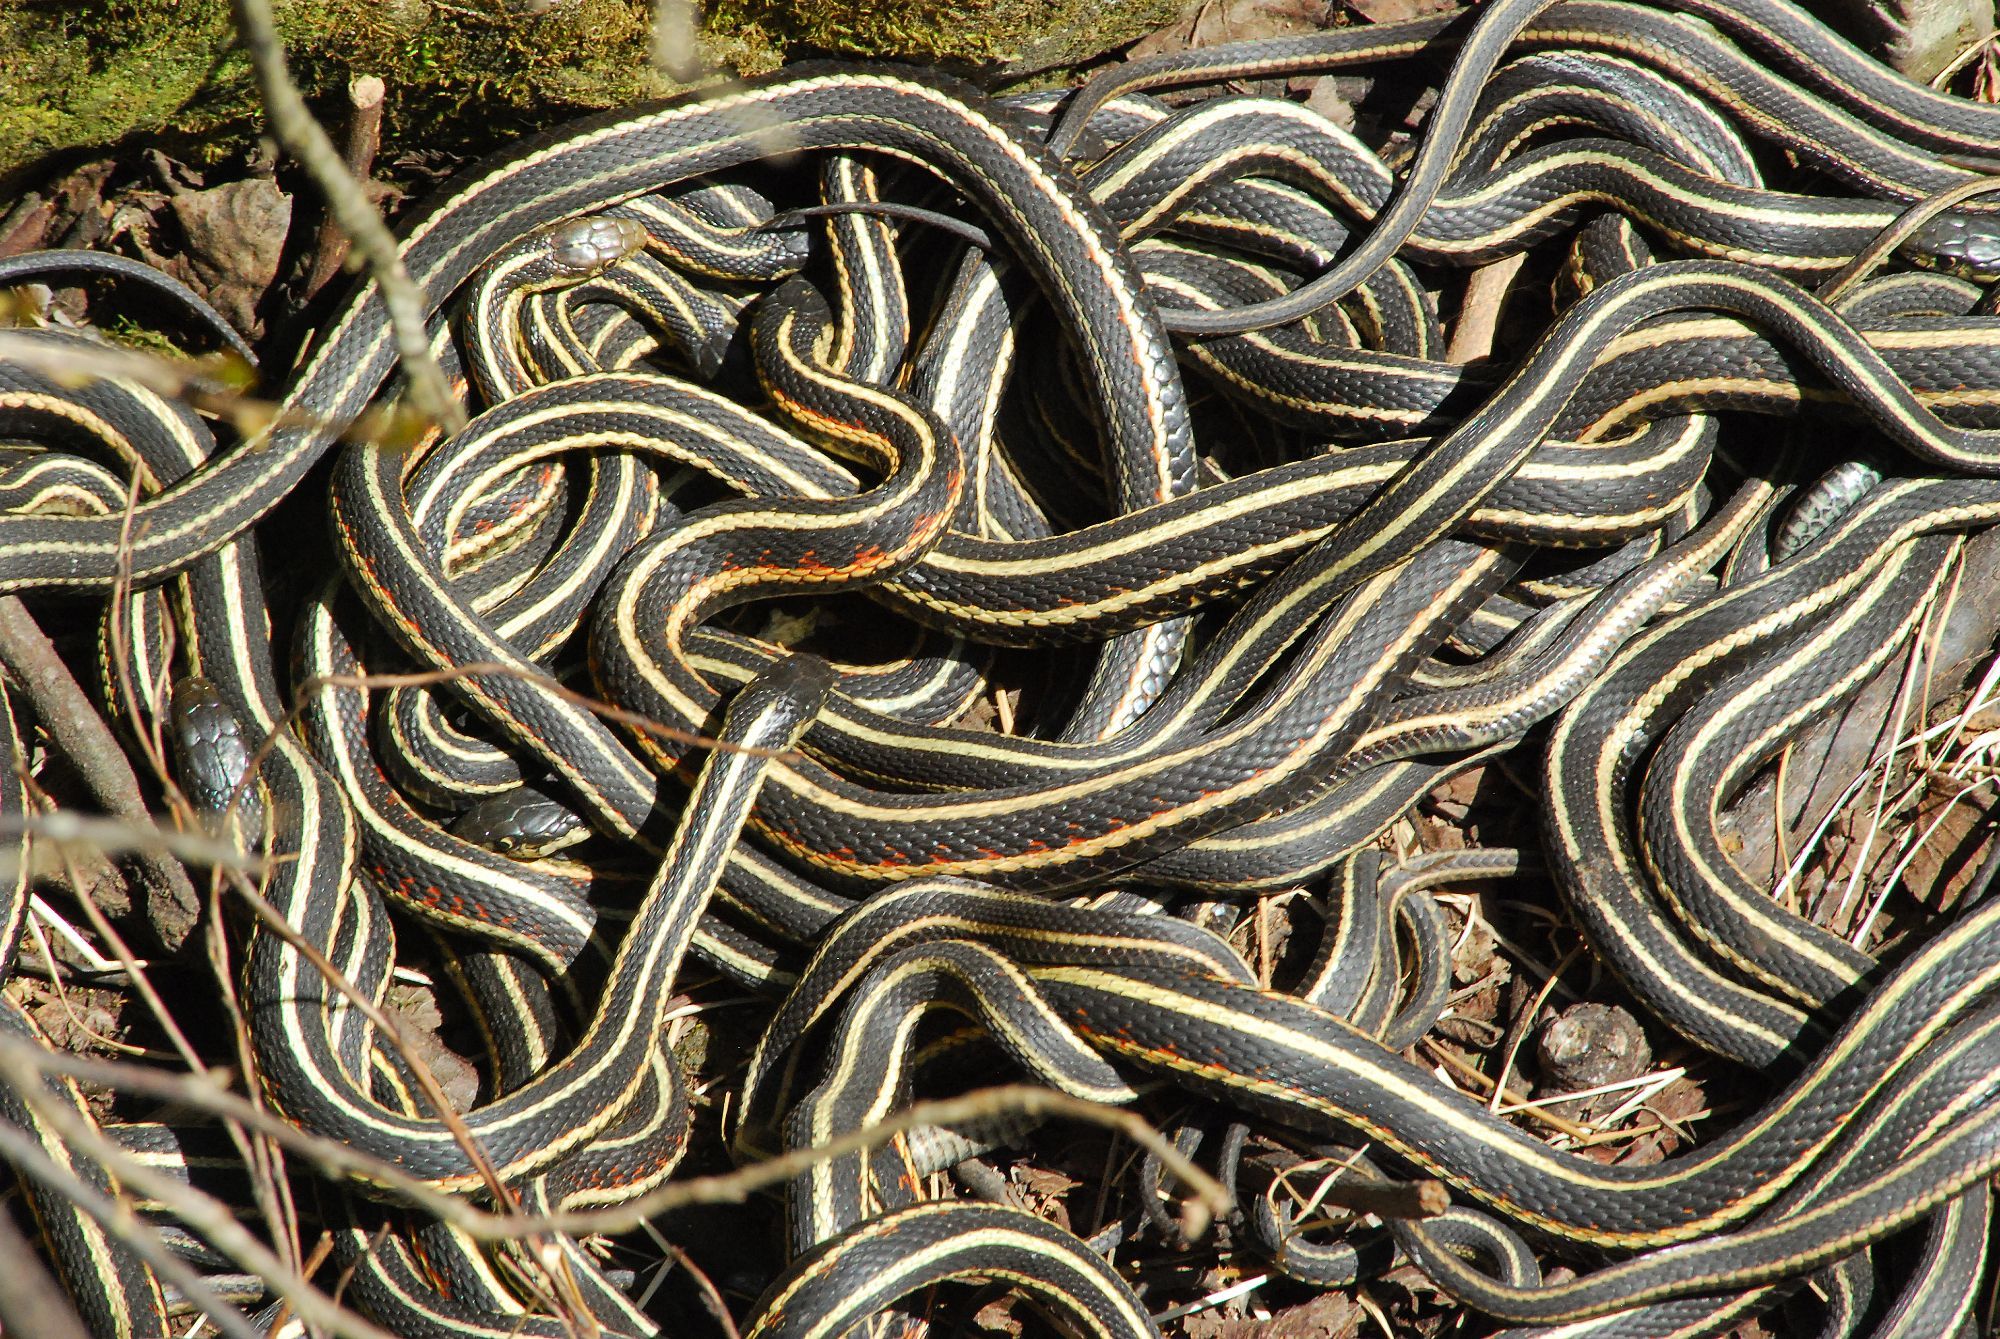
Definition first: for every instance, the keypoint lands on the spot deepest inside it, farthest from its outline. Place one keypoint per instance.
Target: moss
(68, 80)
(464, 74)
(461, 75)
(124, 330)
(1010, 34)
(471, 75)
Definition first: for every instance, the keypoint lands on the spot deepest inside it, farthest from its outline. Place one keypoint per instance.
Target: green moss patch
(465, 74)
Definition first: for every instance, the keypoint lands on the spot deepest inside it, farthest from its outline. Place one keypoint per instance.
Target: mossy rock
(166, 69)
(1010, 36)
(465, 74)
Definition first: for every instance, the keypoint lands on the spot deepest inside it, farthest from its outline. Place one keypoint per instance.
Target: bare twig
(1523, 1024)
(72, 721)
(115, 836)
(208, 1216)
(1483, 1083)
(365, 94)
(214, 383)
(321, 1250)
(340, 1159)
(31, 1302)
(262, 1156)
(1392, 1199)
(303, 137)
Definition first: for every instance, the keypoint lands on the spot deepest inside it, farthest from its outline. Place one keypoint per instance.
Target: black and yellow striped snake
(1146, 406)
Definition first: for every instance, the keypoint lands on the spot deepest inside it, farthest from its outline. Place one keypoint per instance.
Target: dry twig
(304, 138)
(86, 741)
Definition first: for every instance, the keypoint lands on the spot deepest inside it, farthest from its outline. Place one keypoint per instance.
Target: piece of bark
(1918, 37)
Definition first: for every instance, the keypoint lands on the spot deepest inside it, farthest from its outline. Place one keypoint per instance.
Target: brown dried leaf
(1331, 1315)
(1445, 830)
(1398, 11)
(1472, 956)
(1832, 753)
(1945, 864)
(1250, 20)
(999, 1316)
(235, 236)
(1219, 21)
(26, 227)
(1164, 41)
(1043, 1183)
(1463, 788)
(1327, 99)
(78, 210)
(417, 1013)
(1682, 1100)
(74, 1020)
(1470, 1022)
(1203, 1325)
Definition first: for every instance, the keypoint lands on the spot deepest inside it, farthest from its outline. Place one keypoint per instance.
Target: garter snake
(1849, 366)
(1299, 676)
(603, 163)
(1842, 354)
(308, 1040)
(1168, 1006)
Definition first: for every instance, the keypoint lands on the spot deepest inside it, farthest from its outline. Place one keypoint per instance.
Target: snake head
(1967, 245)
(583, 248)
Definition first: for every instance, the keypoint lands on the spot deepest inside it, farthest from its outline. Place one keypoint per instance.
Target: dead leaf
(1043, 1183)
(999, 1316)
(1472, 955)
(1463, 788)
(1164, 41)
(235, 237)
(1203, 1325)
(1471, 1020)
(1399, 11)
(1219, 21)
(1683, 1100)
(417, 1015)
(27, 225)
(79, 209)
(1331, 1315)
(1250, 20)
(1327, 99)
(1945, 864)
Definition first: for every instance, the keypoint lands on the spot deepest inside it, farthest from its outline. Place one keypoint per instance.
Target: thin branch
(306, 141)
(31, 1302)
(208, 1216)
(365, 94)
(340, 1159)
(72, 721)
(117, 836)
